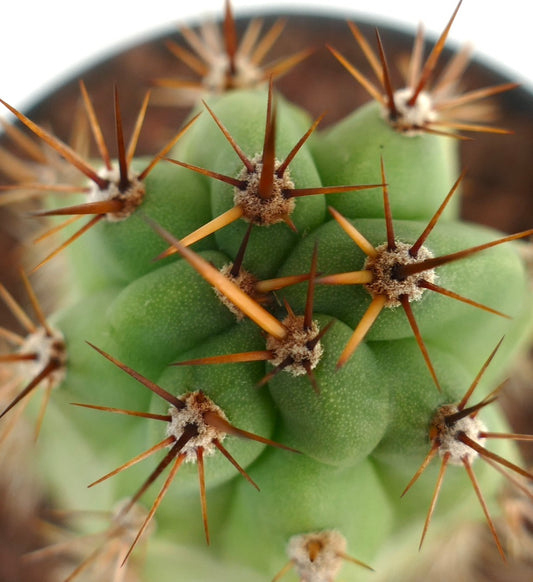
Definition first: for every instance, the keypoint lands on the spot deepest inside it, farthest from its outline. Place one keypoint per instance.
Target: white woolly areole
(382, 266)
(131, 198)
(245, 281)
(260, 211)
(411, 119)
(219, 77)
(197, 404)
(317, 557)
(47, 348)
(295, 346)
(448, 435)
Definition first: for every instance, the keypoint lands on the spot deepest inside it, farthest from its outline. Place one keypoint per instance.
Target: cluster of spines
(243, 301)
(223, 63)
(416, 108)
(100, 554)
(457, 436)
(263, 193)
(201, 433)
(40, 355)
(115, 192)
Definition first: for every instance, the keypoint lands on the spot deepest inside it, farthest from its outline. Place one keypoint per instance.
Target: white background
(43, 42)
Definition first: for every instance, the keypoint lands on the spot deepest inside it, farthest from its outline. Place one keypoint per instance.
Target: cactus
(282, 325)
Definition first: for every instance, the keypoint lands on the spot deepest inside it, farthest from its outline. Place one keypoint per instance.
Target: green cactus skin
(127, 248)
(347, 152)
(360, 427)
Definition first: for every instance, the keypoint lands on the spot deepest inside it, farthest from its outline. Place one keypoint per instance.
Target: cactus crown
(252, 257)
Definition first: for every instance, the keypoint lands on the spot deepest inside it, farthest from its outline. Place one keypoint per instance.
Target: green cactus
(281, 325)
